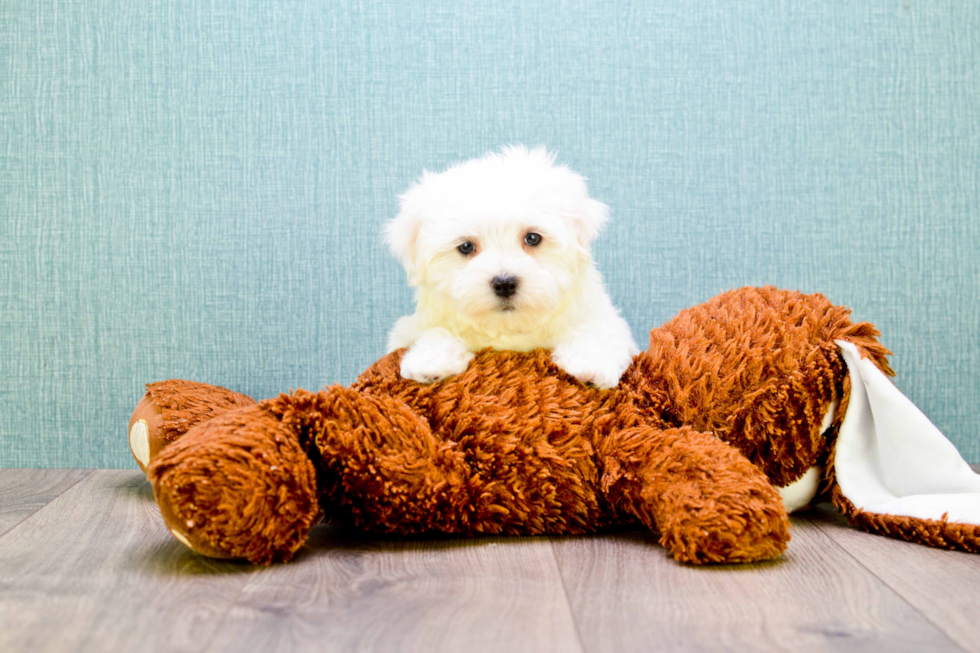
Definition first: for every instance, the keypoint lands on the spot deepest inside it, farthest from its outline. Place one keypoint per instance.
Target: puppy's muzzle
(504, 286)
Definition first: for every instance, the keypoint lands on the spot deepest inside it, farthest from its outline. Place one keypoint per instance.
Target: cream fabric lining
(890, 459)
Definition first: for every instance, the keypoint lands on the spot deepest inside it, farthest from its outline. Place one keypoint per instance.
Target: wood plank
(348, 592)
(25, 491)
(627, 594)
(942, 585)
(96, 570)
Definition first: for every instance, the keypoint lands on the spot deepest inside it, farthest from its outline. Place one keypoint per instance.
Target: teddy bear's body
(726, 405)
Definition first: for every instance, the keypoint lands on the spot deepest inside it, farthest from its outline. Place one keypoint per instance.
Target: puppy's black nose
(504, 286)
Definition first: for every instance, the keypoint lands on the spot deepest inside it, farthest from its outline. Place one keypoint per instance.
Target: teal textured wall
(195, 188)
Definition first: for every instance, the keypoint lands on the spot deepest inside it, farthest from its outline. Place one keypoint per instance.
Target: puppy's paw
(435, 357)
(598, 364)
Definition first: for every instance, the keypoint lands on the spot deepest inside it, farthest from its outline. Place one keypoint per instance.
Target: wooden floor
(86, 564)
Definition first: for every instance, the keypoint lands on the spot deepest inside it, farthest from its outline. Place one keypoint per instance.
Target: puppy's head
(500, 240)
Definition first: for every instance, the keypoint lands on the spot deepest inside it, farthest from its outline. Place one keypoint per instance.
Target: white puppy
(497, 249)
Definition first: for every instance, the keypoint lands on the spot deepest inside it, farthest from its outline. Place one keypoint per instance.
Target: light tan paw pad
(139, 442)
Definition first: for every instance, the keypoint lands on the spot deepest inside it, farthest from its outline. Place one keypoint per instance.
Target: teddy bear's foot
(238, 486)
(170, 408)
(746, 525)
(707, 501)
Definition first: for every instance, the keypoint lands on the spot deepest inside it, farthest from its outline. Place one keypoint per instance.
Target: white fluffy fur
(560, 303)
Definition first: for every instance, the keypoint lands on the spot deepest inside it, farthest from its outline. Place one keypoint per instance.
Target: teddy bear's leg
(707, 501)
(170, 408)
(239, 485)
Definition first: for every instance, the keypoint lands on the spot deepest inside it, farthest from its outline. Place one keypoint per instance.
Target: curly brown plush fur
(725, 405)
(170, 408)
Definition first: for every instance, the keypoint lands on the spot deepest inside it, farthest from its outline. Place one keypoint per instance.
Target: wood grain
(349, 593)
(25, 491)
(942, 585)
(96, 570)
(628, 595)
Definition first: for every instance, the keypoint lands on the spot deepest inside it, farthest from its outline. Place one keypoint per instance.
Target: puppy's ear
(589, 218)
(401, 235)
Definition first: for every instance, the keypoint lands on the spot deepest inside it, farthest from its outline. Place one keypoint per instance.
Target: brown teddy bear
(733, 400)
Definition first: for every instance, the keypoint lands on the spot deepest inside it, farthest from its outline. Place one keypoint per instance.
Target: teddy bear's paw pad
(181, 538)
(139, 442)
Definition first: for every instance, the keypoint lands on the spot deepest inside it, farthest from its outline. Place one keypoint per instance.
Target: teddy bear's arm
(381, 466)
(707, 501)
(483, 471)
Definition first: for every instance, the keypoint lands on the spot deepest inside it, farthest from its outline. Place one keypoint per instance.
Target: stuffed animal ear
(592, 215)
(891, 461)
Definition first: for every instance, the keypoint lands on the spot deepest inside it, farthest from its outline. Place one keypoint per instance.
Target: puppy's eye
(466, 248)
(533, 239)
